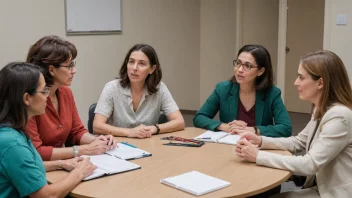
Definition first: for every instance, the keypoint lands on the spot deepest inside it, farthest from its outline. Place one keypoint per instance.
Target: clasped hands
(142, 131)
(247, 147)
(238, 127)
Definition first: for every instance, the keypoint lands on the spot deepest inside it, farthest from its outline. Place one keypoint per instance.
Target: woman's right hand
(98, 146)
(84, 167)
(252, 138)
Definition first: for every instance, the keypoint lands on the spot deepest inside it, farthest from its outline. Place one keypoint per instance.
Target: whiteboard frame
(73, 33)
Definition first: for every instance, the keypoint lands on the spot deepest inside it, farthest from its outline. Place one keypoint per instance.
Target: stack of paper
(195, 183)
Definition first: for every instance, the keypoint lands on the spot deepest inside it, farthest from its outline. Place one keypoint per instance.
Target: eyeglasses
(246, 66)
(45, 92)
(70, 66)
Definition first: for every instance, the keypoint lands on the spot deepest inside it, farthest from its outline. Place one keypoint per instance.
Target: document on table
(218, 137)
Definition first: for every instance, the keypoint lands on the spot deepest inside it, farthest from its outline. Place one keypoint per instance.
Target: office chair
(91, 117)
(162, 119)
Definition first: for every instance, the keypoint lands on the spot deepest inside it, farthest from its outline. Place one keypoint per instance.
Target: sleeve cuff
(215, 125)
(35, 187)
(46, 152)
(264, 142)
(78, 137)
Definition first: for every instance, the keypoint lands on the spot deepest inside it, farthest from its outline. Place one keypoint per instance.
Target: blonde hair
(336, 85)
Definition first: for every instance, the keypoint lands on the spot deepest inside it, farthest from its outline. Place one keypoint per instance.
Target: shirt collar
(127, 91)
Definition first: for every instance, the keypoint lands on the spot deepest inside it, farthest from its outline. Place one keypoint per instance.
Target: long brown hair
(336, 85)
(153, 79)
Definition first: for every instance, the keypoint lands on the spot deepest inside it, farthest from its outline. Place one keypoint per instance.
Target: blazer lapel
(259, 107)
(233, 101)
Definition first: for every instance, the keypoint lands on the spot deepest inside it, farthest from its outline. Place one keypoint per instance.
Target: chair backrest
(162, 119)
(91, 117)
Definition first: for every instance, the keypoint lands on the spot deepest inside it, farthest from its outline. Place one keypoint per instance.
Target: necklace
(53, 101)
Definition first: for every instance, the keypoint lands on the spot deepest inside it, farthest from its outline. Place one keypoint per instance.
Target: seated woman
(61, 123)
(249, 101)
(131, 106)
(23, 94)
(327, 139)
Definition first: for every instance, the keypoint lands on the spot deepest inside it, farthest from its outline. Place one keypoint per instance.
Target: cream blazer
(328, 158)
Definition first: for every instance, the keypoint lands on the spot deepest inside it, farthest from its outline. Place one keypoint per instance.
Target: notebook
(218, 137)
(128, 152)
(108, 165)
(229, 139)
(195, 183)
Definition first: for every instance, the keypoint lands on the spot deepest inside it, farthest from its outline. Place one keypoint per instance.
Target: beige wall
(307, 16)
(195, 40)
(260, 26)
(339, 38)
(171, 27)
(217, 43)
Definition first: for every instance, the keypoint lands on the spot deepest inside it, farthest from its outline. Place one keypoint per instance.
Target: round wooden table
(217, 160)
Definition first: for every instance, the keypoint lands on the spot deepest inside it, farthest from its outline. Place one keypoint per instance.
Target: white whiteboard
(93, 16)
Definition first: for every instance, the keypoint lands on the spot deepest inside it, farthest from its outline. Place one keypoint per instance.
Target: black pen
(205, 138)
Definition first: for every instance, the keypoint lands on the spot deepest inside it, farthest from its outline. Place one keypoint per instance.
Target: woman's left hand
(246, 150)
(152, 129)
(70, 164)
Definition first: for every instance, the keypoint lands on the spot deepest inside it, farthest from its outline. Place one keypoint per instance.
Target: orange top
(52, 129)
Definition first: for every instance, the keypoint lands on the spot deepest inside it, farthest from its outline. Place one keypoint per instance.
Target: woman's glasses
(246, 66)
(70, 66)
(45, 92)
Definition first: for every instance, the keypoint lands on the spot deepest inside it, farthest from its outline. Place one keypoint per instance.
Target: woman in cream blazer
(327, 139)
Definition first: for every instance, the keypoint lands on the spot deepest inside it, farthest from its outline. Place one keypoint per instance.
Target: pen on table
(205, 138)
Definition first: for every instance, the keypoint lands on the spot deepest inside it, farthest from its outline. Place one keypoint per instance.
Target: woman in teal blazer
(249, 101)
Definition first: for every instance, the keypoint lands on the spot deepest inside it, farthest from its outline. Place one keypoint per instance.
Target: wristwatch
(256, 130)
(157, 129)
(75, 150)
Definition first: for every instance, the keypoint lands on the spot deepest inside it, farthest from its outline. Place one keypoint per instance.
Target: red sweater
(52, 129)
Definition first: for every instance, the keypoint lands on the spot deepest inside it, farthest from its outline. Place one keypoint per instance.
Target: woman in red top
(61, 123)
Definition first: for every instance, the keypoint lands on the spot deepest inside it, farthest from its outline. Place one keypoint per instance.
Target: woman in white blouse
(327, 139)
(131, 106)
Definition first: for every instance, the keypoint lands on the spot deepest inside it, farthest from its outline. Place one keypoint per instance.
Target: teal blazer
(271, 116)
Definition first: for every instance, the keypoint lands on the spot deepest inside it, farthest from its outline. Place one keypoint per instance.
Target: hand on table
(110, 141)
(152, 129)
(71, 164)
(246, 150)
(139, 132)
(98, 146)
(84, 167)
